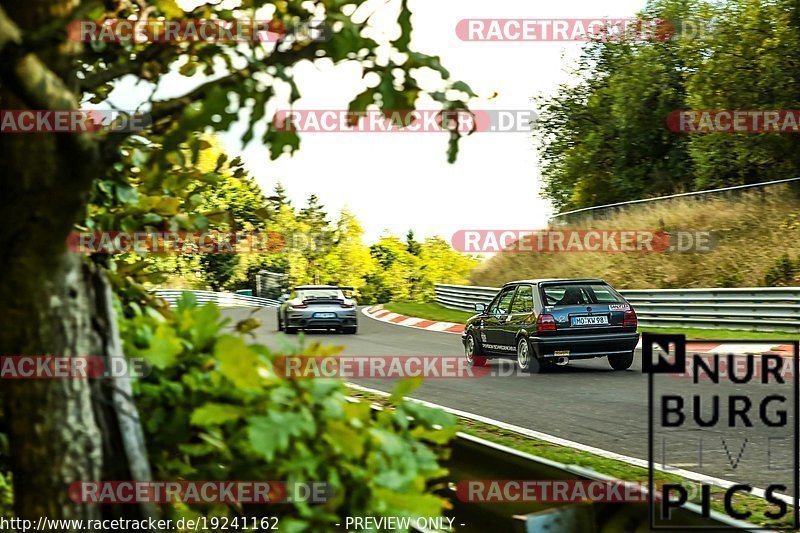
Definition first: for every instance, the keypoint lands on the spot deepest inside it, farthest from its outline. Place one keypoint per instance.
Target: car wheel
(350, 330)
(474, 352)
(526, 360)
(291, 330)
(621, 362)
(280, 323)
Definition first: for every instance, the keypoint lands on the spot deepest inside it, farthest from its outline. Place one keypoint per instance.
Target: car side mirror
(480, 308)
(283, 298)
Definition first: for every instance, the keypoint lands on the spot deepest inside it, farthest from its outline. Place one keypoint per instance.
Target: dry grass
(752, 232)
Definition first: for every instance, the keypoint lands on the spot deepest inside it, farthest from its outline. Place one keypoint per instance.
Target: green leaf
(405, 28)
(170, 8)
(461, 86)
(345, 438)
(405, 387)
(279, 141)
(213, 414)
(410, 504)
(271, 434)
(164, 348)
(238, 362)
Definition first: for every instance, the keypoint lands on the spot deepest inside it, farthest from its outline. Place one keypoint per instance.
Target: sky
(394, 182)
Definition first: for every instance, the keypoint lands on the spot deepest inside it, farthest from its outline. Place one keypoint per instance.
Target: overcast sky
(396, 181)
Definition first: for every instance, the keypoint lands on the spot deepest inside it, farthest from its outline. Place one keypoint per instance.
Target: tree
(63, 305)
(318, 239)
(604, 139)
(412, 246)
(279, 198)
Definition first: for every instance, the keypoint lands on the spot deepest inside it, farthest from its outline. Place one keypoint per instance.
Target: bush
(214, 409)
(783, 272)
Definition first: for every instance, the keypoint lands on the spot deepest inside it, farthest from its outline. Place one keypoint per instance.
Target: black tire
(527, 361)
(473, 351)
(290, 330)
(621, 362)
(350, 330)
(280, 323)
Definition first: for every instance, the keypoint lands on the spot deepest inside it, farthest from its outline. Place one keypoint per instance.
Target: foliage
(217, 410)
(604, 139)
(783, 273)
(405, 276)
(744, 234)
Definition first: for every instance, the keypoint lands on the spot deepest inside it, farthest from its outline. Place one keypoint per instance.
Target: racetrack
(584, 402)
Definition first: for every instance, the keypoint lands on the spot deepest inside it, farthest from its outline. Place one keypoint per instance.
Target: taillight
(299, 306)
(545, 323)
(630, 320)
(347, 306)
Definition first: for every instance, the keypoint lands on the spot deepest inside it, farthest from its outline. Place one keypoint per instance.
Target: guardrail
(477, 459)
(474, 459)
(222, 299)
(602, 211)
(759, 309)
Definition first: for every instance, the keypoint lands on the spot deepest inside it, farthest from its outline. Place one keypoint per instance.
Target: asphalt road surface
(586, 402)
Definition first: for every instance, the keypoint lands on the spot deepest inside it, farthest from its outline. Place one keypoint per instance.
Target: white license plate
(589, 320)
(324, 315)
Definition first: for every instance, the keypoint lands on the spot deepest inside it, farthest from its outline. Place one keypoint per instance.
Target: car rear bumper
(309, 321)
(584, 346)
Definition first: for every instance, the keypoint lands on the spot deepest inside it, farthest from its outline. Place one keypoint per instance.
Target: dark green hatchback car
(544, 322)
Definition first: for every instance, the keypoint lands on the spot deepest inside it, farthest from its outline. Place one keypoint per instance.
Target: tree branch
(33, 82)
(165, 108)
(129, 67)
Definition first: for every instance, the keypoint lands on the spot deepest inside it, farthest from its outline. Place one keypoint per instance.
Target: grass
(430, 311)
(725, 334)
(434, 311)
(750, 234)
(610, 467)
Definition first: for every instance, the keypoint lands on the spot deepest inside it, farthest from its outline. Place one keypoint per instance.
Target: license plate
(589, 320)
(324, 315)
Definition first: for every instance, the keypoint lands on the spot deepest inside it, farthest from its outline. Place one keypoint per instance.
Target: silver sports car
(317, 307)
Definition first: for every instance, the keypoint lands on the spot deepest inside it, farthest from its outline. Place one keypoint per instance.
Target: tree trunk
(51, 301)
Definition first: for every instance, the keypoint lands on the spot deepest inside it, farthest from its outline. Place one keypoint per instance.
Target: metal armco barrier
(760, 309)
(477, 459)
(601, 212)
(222, 299)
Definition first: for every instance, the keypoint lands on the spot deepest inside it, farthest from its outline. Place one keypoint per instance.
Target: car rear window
(579, 294)
(308, 294)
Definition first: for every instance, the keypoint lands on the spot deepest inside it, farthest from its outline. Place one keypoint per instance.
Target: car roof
(555, 280)
(308, 287)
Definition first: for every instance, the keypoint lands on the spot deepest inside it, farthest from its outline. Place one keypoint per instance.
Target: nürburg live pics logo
(729, 425)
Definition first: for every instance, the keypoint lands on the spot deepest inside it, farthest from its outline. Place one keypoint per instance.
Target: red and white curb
(379, 313)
